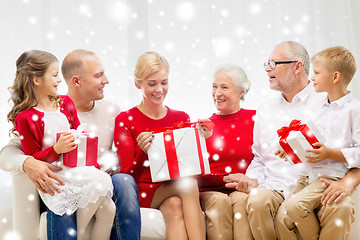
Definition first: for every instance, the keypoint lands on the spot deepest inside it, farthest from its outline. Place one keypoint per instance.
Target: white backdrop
(195, 37)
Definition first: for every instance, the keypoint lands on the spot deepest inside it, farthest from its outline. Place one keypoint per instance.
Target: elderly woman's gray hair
(237, 74)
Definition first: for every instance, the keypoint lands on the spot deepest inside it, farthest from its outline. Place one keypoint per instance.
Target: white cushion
(152, 224)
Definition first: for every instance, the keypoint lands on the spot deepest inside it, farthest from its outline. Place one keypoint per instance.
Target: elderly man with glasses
(268, 179)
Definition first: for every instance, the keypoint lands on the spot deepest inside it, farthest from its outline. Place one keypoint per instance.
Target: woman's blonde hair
(149, 63)
(30, 63)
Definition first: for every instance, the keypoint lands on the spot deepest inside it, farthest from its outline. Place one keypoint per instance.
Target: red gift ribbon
(209, 124)
(171, 156)
(202, 167)
(170, 149)
(295, 125)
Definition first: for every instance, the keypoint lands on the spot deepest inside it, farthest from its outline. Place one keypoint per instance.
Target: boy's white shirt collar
(341, 101)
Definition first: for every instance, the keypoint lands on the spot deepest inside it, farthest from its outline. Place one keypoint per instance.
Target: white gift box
(178, 153)
(299, 144)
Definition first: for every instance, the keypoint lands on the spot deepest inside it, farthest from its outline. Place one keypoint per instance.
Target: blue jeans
(61, 227)
(127, 222)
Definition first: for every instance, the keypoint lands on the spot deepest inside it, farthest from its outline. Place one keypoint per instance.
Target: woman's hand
(65, 143)
(202, 127)
(240, 182)
(144, 140)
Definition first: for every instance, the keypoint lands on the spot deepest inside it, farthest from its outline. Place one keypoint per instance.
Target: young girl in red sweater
(37, 115)
(132, 137)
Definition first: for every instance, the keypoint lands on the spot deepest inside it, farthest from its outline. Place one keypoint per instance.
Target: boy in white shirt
(339, 122)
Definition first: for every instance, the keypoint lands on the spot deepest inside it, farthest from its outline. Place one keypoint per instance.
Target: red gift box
(85, 154)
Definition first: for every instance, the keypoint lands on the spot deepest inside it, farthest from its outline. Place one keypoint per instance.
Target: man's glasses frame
(272, 64)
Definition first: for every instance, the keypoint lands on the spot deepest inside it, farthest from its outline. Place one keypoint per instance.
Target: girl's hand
(319, 154)
(65, 143)
(144, 140)
(202, 127)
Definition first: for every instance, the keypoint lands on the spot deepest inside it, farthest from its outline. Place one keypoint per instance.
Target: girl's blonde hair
(149, 63)
(30, 63)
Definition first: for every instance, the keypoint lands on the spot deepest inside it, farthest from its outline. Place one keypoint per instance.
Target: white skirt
(82, 186)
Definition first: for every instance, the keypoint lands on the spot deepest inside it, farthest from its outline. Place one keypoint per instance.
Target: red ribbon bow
(295, 125)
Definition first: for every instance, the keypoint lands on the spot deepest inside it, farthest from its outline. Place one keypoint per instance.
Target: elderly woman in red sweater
(230, 154)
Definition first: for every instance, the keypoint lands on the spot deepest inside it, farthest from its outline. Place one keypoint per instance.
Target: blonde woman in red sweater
(132, 137)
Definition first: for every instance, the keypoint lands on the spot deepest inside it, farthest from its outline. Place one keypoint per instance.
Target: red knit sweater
(30, 126)
(229, 148)
(128, 125)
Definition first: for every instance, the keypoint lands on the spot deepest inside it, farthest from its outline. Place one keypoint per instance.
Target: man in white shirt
(338, 150)
(270, 179)
(85, 77)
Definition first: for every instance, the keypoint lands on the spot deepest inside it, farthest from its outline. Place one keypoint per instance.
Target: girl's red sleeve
(31, 138)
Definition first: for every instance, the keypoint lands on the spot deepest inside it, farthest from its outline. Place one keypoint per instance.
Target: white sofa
(30, 226)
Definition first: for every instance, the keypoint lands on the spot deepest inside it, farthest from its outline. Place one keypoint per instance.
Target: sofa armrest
(26, 207)
(355, 228)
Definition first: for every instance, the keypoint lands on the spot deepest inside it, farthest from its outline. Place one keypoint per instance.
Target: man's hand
(42, 174)
(240, 182)
(336, 191)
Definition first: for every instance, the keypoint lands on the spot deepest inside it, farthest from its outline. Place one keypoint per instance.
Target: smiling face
(321, 77)
(93, 78)
(155, 87)
(49, 82)
(282, 77)
(226, 94)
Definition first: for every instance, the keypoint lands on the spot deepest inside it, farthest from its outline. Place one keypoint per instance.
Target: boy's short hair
(337, 59)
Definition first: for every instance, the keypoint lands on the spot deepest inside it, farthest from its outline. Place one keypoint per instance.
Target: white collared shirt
(339, 124)
(271, 171)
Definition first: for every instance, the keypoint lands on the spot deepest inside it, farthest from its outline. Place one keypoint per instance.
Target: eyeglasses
(273, 63)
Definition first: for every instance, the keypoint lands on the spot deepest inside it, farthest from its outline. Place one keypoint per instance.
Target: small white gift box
(178, 153)
(297, 138)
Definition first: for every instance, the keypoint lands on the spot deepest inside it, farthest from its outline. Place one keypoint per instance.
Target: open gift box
(178, 153)
(296, 138)
(85, 154)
